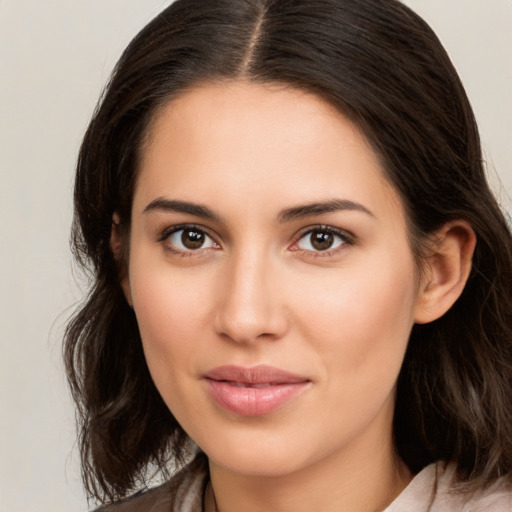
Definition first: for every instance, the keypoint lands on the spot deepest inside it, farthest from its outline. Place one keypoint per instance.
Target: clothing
(431, 490)
(184, 492)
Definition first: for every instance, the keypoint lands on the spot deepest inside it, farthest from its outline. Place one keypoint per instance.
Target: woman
(299, 272)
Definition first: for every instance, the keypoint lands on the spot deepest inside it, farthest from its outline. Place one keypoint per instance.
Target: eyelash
(163, 239)
(345, 238)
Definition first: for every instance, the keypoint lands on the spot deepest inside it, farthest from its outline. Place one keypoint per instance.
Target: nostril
(250, 328)
(248, 307)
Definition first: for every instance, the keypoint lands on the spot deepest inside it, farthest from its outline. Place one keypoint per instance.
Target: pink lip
(253, 391)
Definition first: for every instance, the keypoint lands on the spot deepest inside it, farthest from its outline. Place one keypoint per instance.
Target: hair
(383, 67)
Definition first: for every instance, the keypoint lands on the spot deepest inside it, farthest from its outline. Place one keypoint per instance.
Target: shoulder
(436, 489)
(495, 498)
(183, 492)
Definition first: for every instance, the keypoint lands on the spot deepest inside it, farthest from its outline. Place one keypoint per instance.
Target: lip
(253, 391)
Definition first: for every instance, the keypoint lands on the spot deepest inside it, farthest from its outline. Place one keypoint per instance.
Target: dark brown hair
(381, 65)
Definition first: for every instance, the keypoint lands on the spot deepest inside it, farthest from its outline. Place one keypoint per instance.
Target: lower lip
(253, 401)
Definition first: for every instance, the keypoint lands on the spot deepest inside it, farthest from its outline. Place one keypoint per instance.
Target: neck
(343, 481)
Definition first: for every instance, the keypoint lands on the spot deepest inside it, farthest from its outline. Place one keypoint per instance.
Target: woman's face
(272, 278)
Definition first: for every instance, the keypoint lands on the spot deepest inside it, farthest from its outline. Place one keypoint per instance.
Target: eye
(187, 239)
(322, 239)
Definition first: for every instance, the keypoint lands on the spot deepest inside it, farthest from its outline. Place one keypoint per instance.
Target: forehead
(270, 142)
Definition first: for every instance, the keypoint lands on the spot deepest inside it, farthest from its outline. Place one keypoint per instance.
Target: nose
(250, 306)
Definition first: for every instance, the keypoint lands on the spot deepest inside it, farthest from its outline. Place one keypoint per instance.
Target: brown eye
(189, 239)
(192, 239)
(322, 239)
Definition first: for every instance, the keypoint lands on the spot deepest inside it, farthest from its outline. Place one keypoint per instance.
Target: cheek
(160, 313)
(169, 315)
(169, 322)
(362, 320)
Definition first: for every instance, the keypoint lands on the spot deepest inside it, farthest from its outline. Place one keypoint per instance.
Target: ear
(116, 246)
(447, 271)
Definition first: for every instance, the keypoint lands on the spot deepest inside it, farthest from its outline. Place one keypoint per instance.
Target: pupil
(192, 239)
(322, 240)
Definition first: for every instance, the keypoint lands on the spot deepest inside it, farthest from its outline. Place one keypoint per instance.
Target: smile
(253, 391)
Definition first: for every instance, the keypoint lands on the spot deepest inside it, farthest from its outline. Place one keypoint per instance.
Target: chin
(258, 465)
(257, 456)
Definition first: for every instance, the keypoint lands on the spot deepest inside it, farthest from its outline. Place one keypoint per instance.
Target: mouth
(249, 385)
(253, 391)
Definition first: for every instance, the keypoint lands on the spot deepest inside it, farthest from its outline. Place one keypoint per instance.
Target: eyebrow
(287, 215)
(168, 205)
(313, 209)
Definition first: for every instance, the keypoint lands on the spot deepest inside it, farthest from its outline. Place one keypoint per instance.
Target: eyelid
(348, 239)
(167, 232)
(164, 233)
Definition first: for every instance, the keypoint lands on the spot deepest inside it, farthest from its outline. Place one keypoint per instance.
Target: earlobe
(116, 246)
(447, 271)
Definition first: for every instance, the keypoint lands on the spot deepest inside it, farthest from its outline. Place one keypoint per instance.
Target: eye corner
(174, 241)
(329, 241)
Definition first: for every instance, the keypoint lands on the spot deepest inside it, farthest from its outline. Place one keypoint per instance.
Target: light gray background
(55, 55)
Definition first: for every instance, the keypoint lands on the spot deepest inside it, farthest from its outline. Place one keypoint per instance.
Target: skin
(258, 292)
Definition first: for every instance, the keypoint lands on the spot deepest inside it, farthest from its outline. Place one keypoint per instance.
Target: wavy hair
(381, 65)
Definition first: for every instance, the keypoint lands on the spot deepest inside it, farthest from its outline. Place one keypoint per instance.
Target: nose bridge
(249, 306)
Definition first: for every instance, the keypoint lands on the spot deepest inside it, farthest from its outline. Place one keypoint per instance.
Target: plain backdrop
(55, 56)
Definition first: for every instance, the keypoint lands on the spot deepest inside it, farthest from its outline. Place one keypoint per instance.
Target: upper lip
(261, 374)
